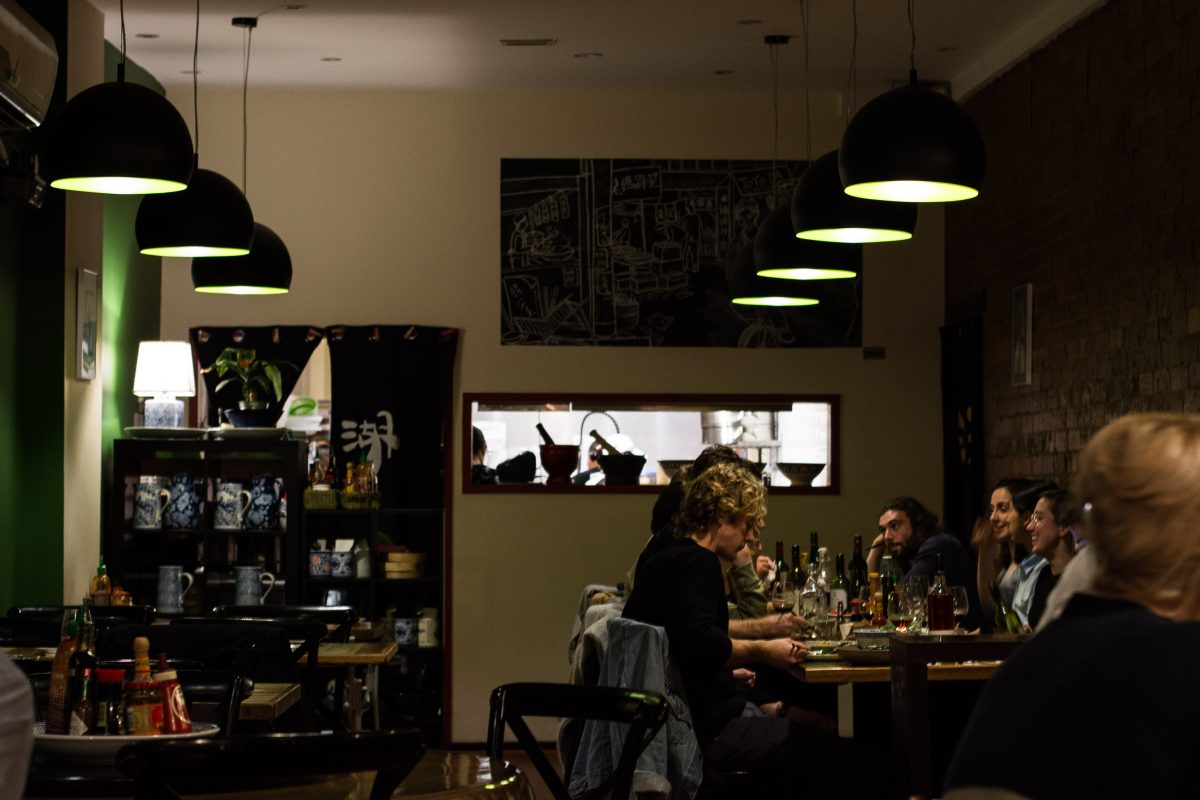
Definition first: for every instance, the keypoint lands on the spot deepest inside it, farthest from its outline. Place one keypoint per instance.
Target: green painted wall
(31, 374)
(132, 288)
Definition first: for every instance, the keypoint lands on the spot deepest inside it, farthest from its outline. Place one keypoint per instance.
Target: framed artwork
(87, 303)
(1022, 335)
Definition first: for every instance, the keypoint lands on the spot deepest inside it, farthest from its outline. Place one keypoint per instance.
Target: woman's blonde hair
(1139, 483)
(726, 491)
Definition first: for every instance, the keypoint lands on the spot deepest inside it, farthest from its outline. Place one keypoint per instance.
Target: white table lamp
(164, 372)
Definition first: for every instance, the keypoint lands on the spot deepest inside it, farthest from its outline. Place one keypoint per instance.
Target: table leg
(845, 710)
(373, 687)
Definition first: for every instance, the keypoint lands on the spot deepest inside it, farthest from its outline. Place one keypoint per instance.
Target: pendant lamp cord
(121, 63)
(247, 40)
(773, 50)
(912, 49)
(807, 96)
(196, 82)
(852, 78)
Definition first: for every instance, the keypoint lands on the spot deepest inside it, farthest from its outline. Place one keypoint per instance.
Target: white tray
(103, 748)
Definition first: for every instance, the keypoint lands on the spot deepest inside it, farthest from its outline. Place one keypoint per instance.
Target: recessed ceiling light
(749, 22)
(330, 58)
(528, 42)
(589, 55)
(145, 36)
(722, 72)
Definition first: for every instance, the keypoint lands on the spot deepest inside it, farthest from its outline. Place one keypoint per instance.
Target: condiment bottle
(173, 717)
(101, 588)
(109, 719)
(143, 700)
(81, 669)
(58, 703)
(83, 712)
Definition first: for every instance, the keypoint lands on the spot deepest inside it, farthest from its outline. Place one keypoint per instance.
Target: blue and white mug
(171, 589)
(263, 514)
(248, 585)
(405, 630)
(342, 563)
(183, 508)
(149, 501)
(232, 504)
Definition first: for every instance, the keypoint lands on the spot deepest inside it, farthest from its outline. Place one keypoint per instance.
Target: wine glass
(961, 604)
(782, 598)
(898, 610)
(916, 588)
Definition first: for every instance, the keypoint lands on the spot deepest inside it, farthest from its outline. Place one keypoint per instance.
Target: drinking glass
(961, 604)
(916, 589)
(898, 612)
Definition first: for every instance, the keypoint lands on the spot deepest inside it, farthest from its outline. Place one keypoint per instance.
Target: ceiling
(654, 44)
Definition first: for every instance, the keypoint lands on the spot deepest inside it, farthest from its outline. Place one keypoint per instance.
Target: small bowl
(800, 474)
(621, 470)
(670, 467)
(873, 638)
(559, 461)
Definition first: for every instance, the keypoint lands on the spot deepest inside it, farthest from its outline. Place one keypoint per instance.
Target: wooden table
(269, 700)
(351, 655)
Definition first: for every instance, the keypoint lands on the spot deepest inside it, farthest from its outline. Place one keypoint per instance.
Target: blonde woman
(1109, 687)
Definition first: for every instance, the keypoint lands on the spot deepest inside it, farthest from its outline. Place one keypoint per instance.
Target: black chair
(339, 619)
(221, 692)
(164, 770)
(41, 626)
(644, 712)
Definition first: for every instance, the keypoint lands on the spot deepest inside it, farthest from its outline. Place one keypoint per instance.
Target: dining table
(352, 655)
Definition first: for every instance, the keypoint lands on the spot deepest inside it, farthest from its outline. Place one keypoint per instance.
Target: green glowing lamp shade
(774, 300)
(211, 218)
(822, 212)
(912, 145)
(118, 138)
(778, 253)
(746, 288)
(266, 270)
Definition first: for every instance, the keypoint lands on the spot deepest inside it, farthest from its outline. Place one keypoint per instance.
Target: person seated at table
(480, 473)
(1050, 530)
(1102, 702)
(745, 595)
(910, 532)
(680, 589)
(584, 476)
(1003, 544)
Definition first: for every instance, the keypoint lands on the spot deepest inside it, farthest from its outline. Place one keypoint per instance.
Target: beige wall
(389, 204)
(81, 399)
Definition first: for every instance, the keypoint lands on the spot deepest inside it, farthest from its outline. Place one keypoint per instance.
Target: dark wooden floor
(517, 757)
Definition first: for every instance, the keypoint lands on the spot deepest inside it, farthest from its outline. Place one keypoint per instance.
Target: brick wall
(1093, 196)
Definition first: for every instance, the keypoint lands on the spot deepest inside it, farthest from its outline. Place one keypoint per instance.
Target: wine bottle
(940, 602)
(797, 575)
(58, 702)
(839, 587)
(857, 572)
(782, 573)
(545, 436)
(1006, 619)
(824, 576)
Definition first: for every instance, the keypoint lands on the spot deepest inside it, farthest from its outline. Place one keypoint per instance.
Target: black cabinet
(133, 555)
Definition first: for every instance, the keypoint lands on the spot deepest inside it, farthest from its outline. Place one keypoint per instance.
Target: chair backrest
(644, 712)
(34, 626)
(222, 690)
(162, 770)
(340, 618)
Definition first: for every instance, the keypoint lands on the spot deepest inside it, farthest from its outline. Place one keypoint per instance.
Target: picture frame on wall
(1022, 335)
(87, 305)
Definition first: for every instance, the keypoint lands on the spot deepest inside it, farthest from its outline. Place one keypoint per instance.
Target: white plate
(247, 433)
(103, 748)
(167, 433)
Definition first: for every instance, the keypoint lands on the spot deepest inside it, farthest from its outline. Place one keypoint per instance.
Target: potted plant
(261, 383)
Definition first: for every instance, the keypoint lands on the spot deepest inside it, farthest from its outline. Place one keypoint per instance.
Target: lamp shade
(746, 288)
(778, 253)
(118, 138)
(912, 145)
(210, 218)
(266, 270)
(823, 212)
(164, 368)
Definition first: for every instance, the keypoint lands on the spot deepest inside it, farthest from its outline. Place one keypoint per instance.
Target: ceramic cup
(248, 585)
(171, 588)
(263, 514)
(342, 563)
(427, 628)
(183, 508)
(149, 501)
(232, 504)
(405, 630)
(320, 563)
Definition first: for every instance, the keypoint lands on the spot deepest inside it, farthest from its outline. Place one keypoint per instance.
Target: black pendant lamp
(266, 270)
(912, 145)
(779, 254)
(747, 288)
(118, 138)
(209, 218)
(823, 212)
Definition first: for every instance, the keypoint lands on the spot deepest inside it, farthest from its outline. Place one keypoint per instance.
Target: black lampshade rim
(820, 204)
(211, 213)
(268, 266)
(776, 247)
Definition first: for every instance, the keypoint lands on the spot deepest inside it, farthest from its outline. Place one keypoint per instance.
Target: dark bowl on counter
(621, 470)
(559, 461)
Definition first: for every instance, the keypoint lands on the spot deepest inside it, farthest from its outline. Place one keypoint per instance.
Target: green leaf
(276, 378)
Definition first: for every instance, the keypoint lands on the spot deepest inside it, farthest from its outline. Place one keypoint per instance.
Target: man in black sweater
(680, 589)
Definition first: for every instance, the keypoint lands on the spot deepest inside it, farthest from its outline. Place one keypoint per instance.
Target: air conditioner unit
(28, 65)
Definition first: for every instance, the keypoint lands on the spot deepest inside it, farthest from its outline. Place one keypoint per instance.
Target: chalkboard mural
(632, 252)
